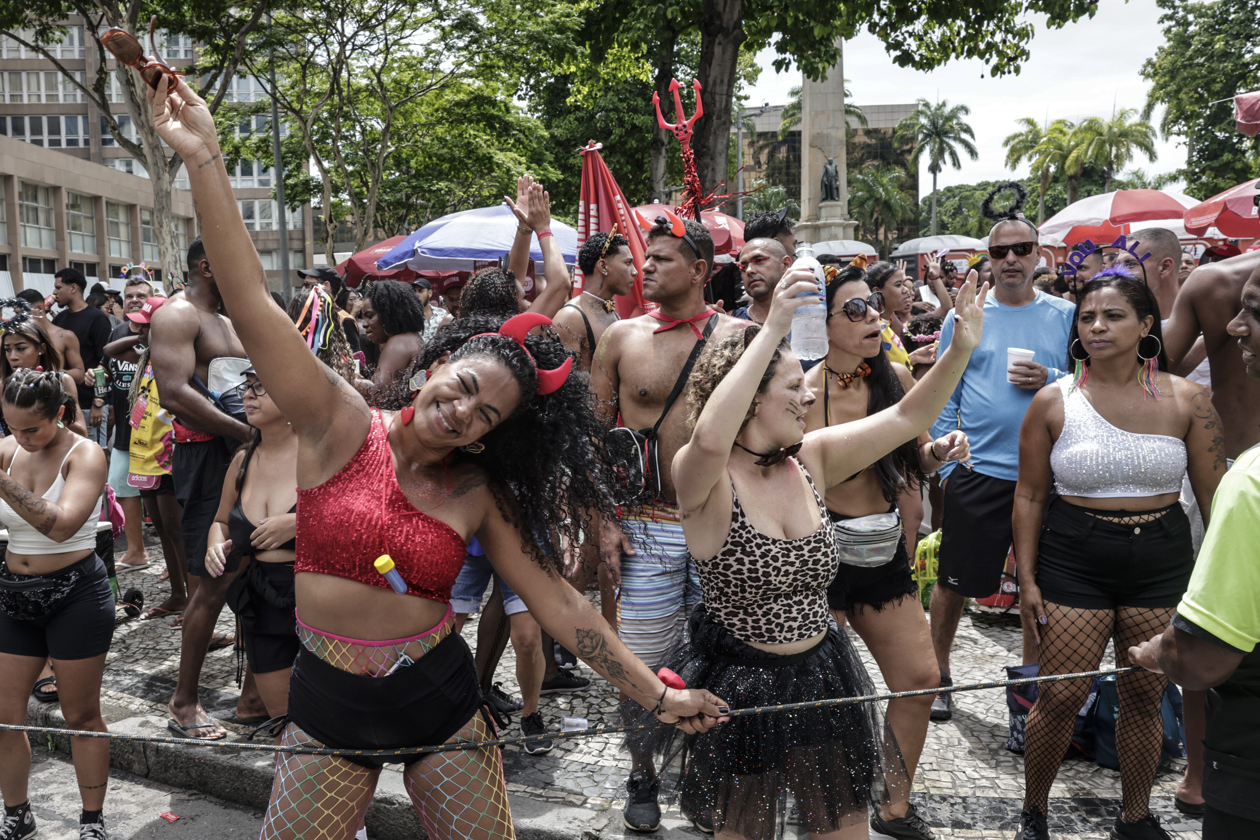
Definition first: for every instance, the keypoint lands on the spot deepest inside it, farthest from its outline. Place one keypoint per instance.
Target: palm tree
(791, 116)
(939, 130)
(1112, 144)
(1138, 179)
(876, 199)
(766, 198)
(1043, 148)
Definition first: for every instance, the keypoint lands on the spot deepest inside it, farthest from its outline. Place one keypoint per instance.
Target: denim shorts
(471, 585)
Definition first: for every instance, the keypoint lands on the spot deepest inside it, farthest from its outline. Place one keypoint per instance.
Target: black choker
(769, 459)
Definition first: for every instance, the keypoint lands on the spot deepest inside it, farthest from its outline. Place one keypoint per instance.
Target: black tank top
(240, 529)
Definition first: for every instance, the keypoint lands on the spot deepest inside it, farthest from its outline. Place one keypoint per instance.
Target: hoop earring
(1080, 370)
(1150, 368)
(474, 448)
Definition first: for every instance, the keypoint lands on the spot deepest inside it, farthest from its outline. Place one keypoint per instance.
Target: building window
(181, 236)
(55, 131)
(258, 213)
(249, 174)
(180, 181)
(88, 269)
(4, 262)
(36, 203)
(39, 265)
(113, 90)
(125, 164)
(176, 46)
(71, 46)
(245, 89)
(297, 259)
(125, 128)
(34, 86)
(118, 229)
(148, 237)
(81, 223)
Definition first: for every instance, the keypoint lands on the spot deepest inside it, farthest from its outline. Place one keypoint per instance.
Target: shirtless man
(1208, 301)
(635, 369)
(66, 342)
(608, 266)
(189, 333)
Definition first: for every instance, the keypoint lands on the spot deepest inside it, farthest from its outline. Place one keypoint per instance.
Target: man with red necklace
(634, 374)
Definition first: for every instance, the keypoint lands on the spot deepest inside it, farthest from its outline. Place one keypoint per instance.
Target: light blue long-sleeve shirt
(986, 406)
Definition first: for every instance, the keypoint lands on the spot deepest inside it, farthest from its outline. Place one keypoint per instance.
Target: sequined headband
(21, 314)
(516, 328)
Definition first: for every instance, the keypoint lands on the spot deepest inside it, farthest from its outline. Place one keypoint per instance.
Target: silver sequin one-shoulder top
(1094, 459)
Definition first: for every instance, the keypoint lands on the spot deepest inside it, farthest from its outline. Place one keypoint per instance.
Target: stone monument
(824, 174)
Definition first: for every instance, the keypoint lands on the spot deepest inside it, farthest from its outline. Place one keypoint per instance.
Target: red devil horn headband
(516, 328)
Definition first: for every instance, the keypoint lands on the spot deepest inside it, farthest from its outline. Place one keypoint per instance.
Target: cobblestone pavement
(968, 785)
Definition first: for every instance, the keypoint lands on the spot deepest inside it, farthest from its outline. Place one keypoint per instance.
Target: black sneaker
(1147, 828)
(703, 822)
(18, 826)
(565, 682)
(943, 705)
(502, 701)
(564, 658)
(910, 827)
(93, 831)
(532, 725)
(642, 813)
(1032, 826)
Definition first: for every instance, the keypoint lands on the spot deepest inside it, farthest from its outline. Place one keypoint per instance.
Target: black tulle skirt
(836, 761)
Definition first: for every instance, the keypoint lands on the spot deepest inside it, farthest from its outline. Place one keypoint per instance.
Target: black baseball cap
(324, 274)
(422, 283)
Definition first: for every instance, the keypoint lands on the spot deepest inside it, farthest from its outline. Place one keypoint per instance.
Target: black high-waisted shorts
(1089, 561)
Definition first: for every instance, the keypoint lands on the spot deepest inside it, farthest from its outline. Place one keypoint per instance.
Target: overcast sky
(1078, 71)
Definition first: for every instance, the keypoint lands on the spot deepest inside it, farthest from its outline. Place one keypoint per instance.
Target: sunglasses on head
(128, 51)
(1021, 249)
(856, 308)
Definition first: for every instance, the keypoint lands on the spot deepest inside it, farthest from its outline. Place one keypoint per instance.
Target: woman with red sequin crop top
(764, 634)
(491, 439)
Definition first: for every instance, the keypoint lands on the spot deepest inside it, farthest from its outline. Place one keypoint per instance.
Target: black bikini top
(240, 529)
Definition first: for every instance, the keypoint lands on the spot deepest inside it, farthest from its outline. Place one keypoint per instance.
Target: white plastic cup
(1013, 355)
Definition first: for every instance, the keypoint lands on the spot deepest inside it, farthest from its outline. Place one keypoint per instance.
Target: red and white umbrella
(1111, 214)
(1233, 212)
(601, 204)
(362, 265)
(727, 231)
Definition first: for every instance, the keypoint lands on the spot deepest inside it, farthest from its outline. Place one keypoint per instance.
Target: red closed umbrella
(1232, 212)
(601, 204)
(362, 265)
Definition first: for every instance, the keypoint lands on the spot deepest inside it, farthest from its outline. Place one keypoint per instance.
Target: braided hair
(1013, 212)
(547, 457)
(40, 392)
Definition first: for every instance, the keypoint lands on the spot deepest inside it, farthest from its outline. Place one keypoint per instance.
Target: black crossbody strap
(590, 333)
(682, 377)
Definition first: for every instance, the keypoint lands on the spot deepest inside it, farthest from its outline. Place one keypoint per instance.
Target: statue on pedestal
(831, 181)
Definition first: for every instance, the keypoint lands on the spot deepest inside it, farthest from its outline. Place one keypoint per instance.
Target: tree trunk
(1107, 181)
(721, 34)
(1041, 198)
(159, 175)
(658, 178)
(934, 204)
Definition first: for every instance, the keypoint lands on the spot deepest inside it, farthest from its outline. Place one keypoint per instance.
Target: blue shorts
(659, 585)
(119, 469)
(471, 585)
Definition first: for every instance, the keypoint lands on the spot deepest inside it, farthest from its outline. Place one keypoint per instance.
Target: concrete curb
(245, 778)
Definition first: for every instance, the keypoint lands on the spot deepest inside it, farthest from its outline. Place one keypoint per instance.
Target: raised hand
(183, 120)
(797, 288)
(969, 314)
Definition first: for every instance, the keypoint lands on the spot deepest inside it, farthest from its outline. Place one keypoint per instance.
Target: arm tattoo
(43, 513)
(212, 159)
(593, 649)
(1203, 410)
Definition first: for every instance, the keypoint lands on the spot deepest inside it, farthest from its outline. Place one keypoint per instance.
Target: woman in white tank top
(1113, 555)
(55, 599)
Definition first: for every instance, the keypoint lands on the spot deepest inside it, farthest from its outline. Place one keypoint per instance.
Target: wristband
(660, 704)
(523, 229)
(544, 233)
(934, 455)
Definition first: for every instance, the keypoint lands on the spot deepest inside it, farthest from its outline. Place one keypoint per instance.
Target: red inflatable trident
(690, 207)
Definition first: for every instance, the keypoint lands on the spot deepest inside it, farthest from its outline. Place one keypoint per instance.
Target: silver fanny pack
(868, 540)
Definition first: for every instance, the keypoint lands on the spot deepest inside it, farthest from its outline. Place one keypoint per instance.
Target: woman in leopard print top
(749, 483)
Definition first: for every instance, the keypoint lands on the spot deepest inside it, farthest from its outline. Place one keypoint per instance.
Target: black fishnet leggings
(1074, 640)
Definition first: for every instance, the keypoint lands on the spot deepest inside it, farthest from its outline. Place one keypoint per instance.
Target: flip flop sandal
(184, 733)
(46, 696)
(159, 612)
(129, 567)
(220, 641)
(247, 721)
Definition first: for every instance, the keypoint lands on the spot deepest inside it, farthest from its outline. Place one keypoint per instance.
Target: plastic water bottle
(809, 323)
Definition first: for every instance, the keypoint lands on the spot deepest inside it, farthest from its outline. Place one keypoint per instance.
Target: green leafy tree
(1138, 179)
(770, 197)
(1209, 53)
(221, 31)
(1041, 147)
(791, 117)
(959, 207)
(1111, 144)
(939, 130)
(879, 203)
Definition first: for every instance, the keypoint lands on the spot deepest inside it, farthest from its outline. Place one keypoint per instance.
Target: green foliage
(1111, 144)
(958, 207)
(791, 117)
(1209, 54)
(769, 197)
(877, 199)
(939, 130)
(1137, 179)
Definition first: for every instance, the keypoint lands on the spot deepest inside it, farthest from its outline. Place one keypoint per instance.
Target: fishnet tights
(1075, 640)
(370, 658)
(456, 795)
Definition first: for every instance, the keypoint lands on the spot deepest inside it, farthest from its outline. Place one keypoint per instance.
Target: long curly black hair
(397, 305)
(491, 292)
(550, 469)
(901, 466)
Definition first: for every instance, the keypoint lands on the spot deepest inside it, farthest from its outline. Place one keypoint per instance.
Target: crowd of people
(351, 470)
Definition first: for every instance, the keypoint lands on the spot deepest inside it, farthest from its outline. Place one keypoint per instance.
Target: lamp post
(281, 214)
(739, 155)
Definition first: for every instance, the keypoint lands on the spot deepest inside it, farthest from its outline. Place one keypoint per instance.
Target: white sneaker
(361, 834)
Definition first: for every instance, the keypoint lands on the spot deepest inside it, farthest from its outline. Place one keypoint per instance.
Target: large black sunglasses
(255, 386)
(856, 308)
(1021, 249)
